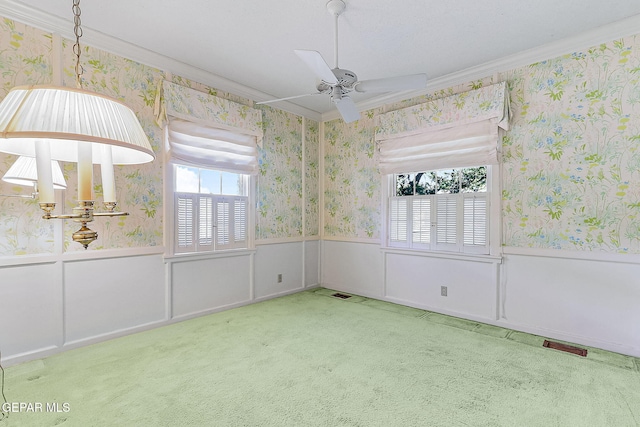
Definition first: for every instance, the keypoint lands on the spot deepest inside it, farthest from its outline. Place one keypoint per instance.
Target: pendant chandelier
(73, 125)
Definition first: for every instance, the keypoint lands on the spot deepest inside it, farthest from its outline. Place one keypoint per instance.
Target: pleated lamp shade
(24, 172)
(64, 116)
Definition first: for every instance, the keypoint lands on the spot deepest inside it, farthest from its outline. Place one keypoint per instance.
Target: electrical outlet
(279, 278)
(443, 291)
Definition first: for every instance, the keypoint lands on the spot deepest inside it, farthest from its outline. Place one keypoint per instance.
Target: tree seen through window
(449, 181)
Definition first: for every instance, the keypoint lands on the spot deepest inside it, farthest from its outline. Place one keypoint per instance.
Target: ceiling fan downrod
(335, 8)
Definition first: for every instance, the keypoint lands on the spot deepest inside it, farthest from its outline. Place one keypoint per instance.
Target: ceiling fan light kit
(338, 82)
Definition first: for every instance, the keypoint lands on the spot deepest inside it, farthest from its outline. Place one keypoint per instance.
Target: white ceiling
(250, 43)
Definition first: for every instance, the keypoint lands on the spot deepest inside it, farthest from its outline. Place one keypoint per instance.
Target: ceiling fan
(338, 82)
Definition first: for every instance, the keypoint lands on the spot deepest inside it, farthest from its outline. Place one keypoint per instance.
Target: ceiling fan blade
(288, 97)
(317, 64)
(392, 84)
(347, 109)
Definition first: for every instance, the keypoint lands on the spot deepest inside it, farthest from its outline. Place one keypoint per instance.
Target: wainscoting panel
(284, 259)
(205, 285)
(471, 286)
(30, 308)
(103, 296)
(353, 267)
(584, 301)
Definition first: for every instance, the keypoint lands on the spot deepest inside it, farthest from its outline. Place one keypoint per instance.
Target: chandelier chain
(77, 30)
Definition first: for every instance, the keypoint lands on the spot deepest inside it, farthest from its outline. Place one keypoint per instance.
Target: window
(444, 210)
(211, 209)
(452, 147)
(211, 170)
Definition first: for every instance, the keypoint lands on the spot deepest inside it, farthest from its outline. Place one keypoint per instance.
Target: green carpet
(310, 359)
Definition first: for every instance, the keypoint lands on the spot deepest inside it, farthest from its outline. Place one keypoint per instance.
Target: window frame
(171, 213)
(494, 218)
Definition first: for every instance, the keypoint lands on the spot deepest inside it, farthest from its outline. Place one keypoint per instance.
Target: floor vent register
(564, 347)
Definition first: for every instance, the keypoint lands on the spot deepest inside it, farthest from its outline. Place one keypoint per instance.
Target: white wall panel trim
(29, 355)
(262, 242)
(578, 255)
(212, 255)
(28, 260)
(447, 255)
(440, 310)
(208, 311)
(111, 253)
(352, 240)
(79, 256)
(281, 294)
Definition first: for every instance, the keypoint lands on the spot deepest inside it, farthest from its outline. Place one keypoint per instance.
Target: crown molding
(39, 19)
(17, 11)
(623, 28)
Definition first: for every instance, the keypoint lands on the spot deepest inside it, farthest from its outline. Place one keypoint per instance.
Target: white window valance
(220, 149)
(206, 130)
(456, 131)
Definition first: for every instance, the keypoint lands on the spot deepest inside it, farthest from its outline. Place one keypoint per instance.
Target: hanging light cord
(3, 414)
(77, 30)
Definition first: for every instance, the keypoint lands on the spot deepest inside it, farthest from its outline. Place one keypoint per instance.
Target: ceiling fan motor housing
(338, 82)
(346, 80)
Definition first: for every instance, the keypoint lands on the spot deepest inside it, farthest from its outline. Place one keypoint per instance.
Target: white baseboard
(546, 333)
(52, 350)
(576, 339)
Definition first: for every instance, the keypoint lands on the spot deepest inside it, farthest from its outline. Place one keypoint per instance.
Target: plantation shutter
(205, 222)
(186, 222)
(231, 222)
(475, 221)
(398, 219)
(447, 222)
(240, 221)
(223, 223)
(421, 233)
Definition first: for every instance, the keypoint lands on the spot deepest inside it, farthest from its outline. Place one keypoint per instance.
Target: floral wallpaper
(279, 195)
(138, 187)
(311, 178)
(279, 183)
(182, 81)
(439, 94)
(25, 58)
(487, 102)
(350, 157)
(571, 163)
(351, 179)
(186, 103)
